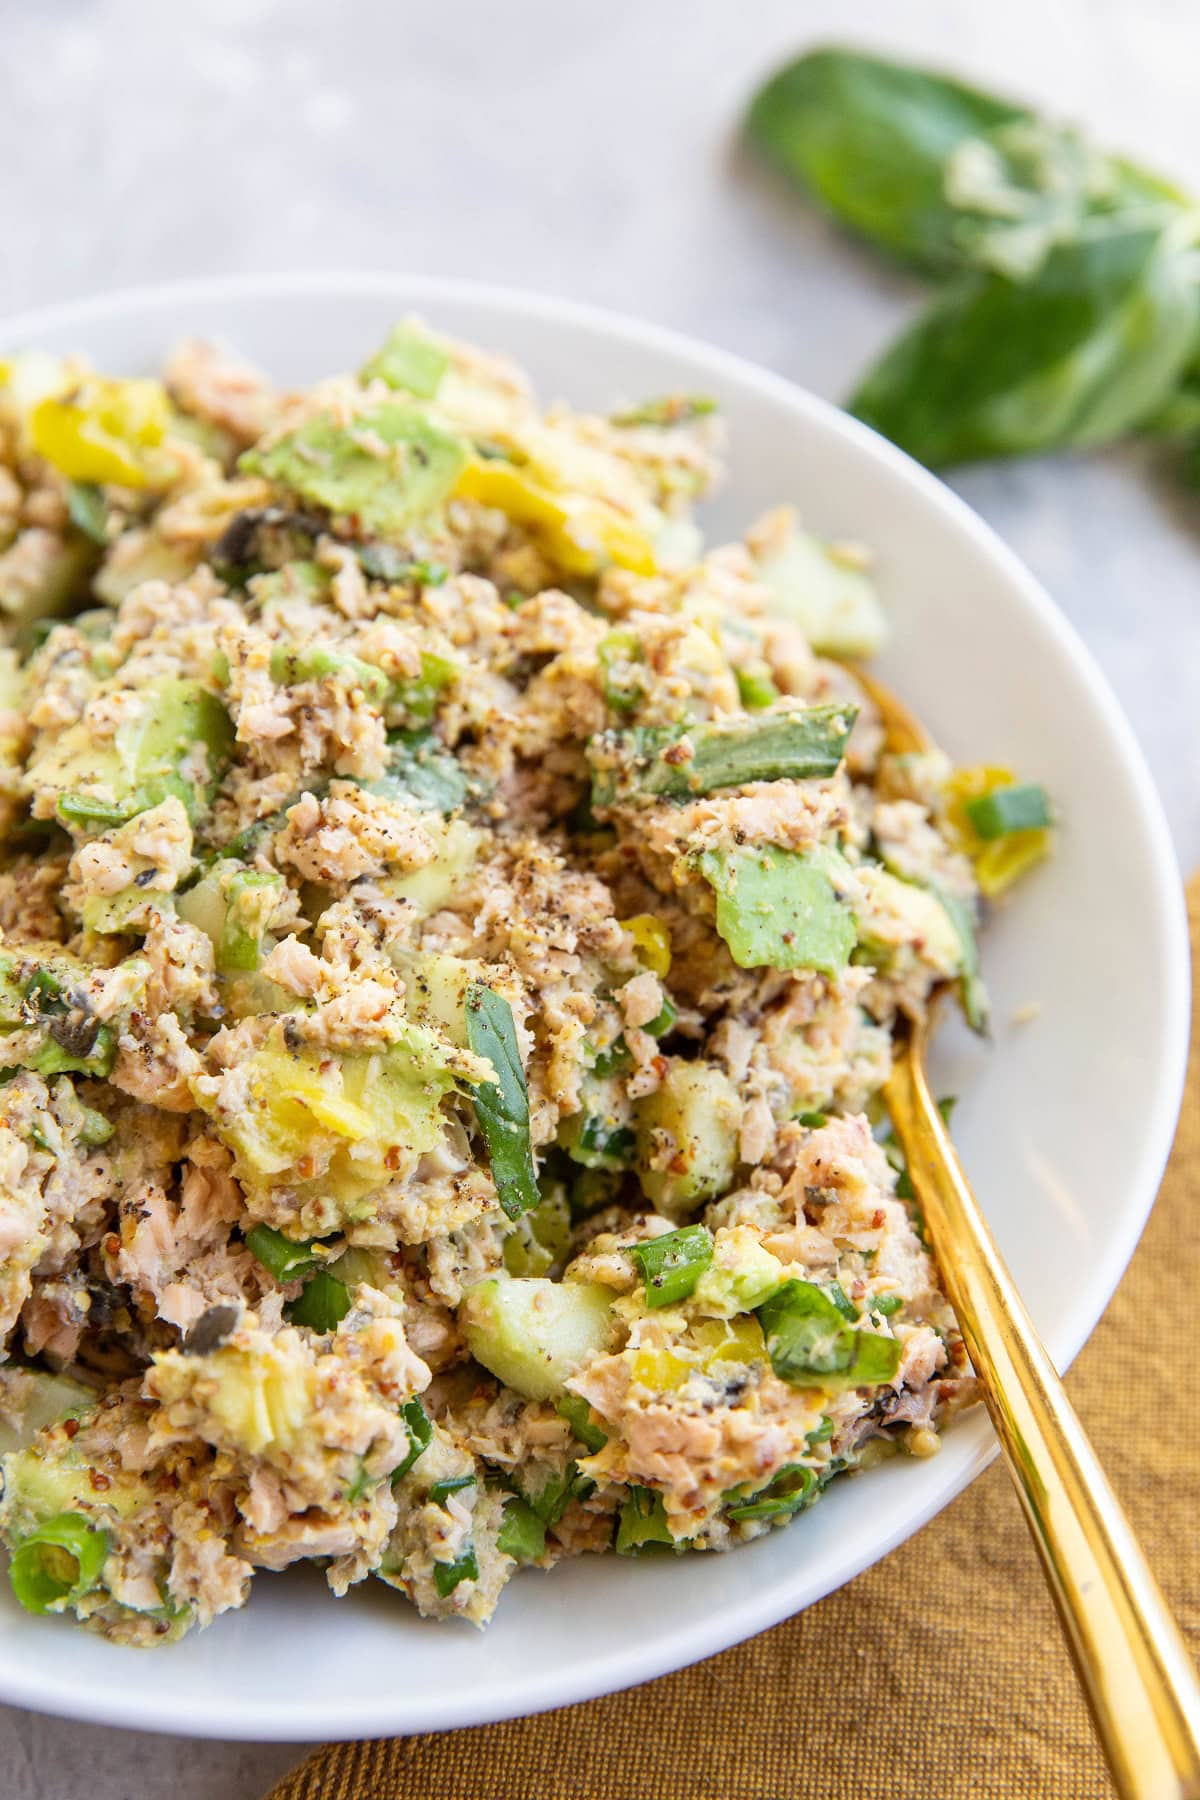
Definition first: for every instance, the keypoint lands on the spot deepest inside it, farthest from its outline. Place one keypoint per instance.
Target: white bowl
(1064, 1123)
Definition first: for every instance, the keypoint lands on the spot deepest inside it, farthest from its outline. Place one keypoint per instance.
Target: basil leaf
(502, 1106)
(1088, 349)
(870, 139)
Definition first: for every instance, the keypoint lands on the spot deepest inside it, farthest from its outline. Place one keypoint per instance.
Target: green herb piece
(58, 1563)
(784, 1494)
(820, 1434)
(671, 1265)
(642, 1521)
(323, 1304)
(810, 1344)
(661, 762)
(972, 991)
(410, 358)
(671, 409)
(87, 510)
(887, 1304)
(937, 171)
(502, 1106)
(1023, 807)
(845, 1306)
(596, 1142)
(440, 1492)
(1087, 349)
(664, 1020)
(420, 1436)
(522, 1534)
(82, 809)
(446, 1576)
(615, 1059)
(813, 1120)
(578, 1414)
(756, 690)
(288, 1259)
(779, 908)
(358, 1486)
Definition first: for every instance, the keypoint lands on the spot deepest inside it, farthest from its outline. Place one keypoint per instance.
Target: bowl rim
(134, 1706)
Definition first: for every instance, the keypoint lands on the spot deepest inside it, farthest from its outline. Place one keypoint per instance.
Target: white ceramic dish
(1064, 1123)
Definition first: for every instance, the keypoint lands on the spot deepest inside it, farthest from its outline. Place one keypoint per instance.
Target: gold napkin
(940, 1673)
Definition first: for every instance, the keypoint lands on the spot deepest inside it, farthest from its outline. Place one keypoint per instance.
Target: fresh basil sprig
(1072, 312)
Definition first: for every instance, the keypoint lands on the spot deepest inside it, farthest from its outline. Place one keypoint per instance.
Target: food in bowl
(453, 930)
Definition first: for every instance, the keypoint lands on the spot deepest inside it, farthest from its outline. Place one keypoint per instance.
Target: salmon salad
(453, 928)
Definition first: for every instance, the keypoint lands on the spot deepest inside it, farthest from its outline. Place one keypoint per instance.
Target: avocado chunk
(532, 1334)
(45, 1013)
(411, 357)
(174, 739)
(827, 594)
(779, 908)
(687, 1137)
(387, 469)
(896, 914)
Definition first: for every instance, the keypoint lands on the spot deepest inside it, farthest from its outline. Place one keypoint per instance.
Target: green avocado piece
(410, 357)
(779, 909)
(98, 785)
(388, 468)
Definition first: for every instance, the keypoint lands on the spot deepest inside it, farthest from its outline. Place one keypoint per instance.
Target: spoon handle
(1135, 1669)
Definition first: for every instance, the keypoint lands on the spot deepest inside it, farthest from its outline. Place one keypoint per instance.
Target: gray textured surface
(584, 151)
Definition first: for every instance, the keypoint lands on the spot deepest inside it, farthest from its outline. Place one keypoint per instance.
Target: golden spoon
(1135, 1668)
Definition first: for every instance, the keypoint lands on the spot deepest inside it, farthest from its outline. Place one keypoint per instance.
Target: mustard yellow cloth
(939, 1674)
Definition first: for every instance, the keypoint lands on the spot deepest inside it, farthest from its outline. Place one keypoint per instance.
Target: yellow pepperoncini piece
(660, 1369)
(651, 942)
(102, 429)
(737, 1340)
(580, 532)
(1006, 859)
(1003, 860)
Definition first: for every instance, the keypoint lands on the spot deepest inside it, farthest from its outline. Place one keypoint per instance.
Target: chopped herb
(671, 1265)
(522, 1534)
(784, 1494)
(813, 1120)
(845, 1306)
(502, 1106)
(420, 1436)
(323, 1304)
(887, 1304)
(87, 510)
(642, 1521)
(578, 1414)
(756, 690)
(810, 1344)
(440, 1492)
(446, 1576)
(288, 1259)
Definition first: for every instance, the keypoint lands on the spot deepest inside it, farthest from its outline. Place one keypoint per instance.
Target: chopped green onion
(813, 1120)
(615, 1059)
(58, 1563)
(87, 510)
(887, 1304)
(820, 1434)
(642, 1521)
(971, 988)
(502, 1106)
(756, 690)
(446, 1576)
(671, 1265)
(597, 1142)
(288, 1259)
(1023, 807)
(420, 1436)
(522, 1534)
(806, 1334)
(440, 1492)
(845, 1306)
(679, 762)
(615, 653)
(323, 1304)
(82, 809)
(578, 1414)
(359, 1485)
(785, 1494)
(663, 1021)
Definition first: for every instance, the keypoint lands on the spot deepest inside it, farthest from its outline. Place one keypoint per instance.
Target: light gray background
(587, 150)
